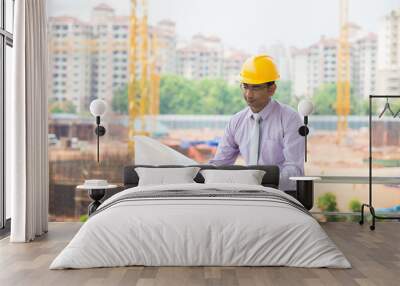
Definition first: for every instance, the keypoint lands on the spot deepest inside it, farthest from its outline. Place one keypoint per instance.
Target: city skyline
(365, 13)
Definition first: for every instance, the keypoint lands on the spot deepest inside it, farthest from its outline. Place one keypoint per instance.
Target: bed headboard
(270, 179)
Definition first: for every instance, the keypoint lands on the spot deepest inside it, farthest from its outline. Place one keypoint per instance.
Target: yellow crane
(133, 108)
(155, 83)
(343, 73)
(142, 100)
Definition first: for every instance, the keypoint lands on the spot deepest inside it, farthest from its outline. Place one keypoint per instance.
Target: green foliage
(324, 100)
(283, 94)
(120, 101)
(83, 218)
(217, 97)
(208, 96)
(327, 203)
(355, 205)
(179, 95)
(65, 106)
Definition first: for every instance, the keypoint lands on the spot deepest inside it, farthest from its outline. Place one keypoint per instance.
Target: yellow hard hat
(258, 69)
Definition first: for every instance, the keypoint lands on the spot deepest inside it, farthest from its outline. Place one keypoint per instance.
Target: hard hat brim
(253, 81)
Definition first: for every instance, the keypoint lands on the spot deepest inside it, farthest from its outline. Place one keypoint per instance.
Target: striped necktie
(254, 140)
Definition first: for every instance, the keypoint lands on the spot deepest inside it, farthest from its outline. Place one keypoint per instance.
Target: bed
(198, 224)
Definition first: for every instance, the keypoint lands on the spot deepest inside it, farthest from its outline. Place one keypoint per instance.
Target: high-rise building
(317, 64)
(280, 54)
(364, 55)
(232, 63)
(201, 58)
(69, 61)
(299, 73)
(313, 67)
(166, 47)
(109, 61)
(91, 60)
(388, 70)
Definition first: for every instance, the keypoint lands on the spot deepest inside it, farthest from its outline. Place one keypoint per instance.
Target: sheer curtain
(26, 119)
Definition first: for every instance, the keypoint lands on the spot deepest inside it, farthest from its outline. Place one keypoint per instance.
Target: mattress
(201, 225)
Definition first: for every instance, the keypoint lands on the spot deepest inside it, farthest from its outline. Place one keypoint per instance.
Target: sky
(247, 24)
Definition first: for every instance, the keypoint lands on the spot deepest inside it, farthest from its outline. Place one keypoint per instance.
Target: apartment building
(201, 58)
(388, 69)
(70, 60)
(313, 66)
(317, 64)
(232, 63)
(91, 60)
(109, 59)
(281, 55)
(165, 31)
(365, 50)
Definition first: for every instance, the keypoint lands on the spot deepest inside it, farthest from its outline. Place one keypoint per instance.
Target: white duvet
(200, 231)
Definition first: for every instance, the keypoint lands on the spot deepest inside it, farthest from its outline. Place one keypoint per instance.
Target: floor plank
(374, 255)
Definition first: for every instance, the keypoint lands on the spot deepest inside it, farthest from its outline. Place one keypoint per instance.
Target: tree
(283, 93)
(120, 101)
(178, 96)
(65, 106)
(208, 96)
(219, 98)
(324, 100)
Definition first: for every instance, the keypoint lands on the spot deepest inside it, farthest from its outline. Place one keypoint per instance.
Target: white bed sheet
(200, 231)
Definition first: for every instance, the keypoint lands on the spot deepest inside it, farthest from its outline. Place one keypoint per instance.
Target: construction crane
(133, 108)
(154, 83)
(343, 73)
(144, 90)
(143, 98)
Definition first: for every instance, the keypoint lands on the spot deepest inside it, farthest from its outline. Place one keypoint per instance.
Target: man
(265, 132)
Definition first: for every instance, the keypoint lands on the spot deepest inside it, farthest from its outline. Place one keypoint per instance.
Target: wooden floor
(375, 257)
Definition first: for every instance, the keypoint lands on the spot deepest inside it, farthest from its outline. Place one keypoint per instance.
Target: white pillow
(249, 177)
(164, 176)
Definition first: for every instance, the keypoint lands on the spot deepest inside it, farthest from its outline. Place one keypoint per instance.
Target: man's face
(257, 96)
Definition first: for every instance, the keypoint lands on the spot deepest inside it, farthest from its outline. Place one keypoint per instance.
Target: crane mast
(143, 93)
(343, 73)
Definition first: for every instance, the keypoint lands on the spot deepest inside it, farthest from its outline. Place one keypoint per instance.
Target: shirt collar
(264, 113)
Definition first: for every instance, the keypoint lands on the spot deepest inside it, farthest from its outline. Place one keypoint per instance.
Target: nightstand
(96, 193)
(305, 190)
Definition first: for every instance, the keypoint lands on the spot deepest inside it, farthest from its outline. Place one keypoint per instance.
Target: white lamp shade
(98, 107)
(305, 107)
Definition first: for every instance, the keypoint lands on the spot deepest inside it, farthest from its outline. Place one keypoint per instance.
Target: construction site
(338, 151)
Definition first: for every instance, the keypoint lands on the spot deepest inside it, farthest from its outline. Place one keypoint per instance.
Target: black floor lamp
(98, 108)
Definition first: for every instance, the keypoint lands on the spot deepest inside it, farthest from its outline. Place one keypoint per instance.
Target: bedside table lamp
(98, 108)
(305, 108)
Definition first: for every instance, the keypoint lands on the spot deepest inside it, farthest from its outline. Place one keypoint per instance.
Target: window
(6, 43)
(184, 62)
